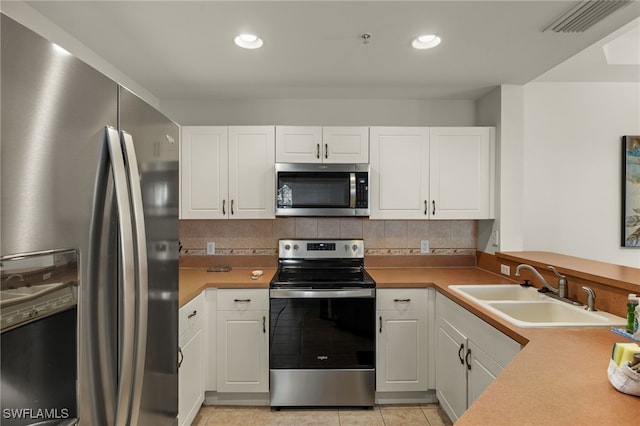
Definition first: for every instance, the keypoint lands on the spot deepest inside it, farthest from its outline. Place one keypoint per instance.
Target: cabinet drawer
(191, 315)
(243, 299)
(401, 300)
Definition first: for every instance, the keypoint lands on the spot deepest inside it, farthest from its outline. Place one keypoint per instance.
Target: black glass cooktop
(322, 276)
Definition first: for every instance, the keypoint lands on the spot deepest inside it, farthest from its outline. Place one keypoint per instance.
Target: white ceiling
(185, 50)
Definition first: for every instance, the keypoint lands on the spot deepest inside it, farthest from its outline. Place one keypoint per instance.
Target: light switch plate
(424, 246)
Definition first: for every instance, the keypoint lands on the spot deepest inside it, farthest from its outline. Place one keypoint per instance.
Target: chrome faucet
(561, 291)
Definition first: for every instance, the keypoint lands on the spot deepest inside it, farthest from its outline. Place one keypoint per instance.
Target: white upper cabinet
(432, 173)
(314, 144)
(228, 172)
(462, 172)
(203, 171)
(252, 172)
(346, 144)
(399, 181)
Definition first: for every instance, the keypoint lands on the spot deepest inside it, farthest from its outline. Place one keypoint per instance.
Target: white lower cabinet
(242, 324)
(190, 360)
(210, 341)
(470, 355)
(401, 350)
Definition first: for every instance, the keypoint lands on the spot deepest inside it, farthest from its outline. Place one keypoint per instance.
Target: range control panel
(320, 249)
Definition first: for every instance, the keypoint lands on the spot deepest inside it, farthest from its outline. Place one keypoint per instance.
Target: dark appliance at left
(87, 165)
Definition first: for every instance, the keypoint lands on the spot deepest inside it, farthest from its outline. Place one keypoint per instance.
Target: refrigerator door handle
(140, 244)
(128, 294)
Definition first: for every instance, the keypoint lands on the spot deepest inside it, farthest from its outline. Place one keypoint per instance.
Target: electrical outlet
(424, 246)
(211, 247)
(505, 270)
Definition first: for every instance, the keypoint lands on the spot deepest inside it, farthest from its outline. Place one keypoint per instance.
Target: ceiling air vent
(585, 15)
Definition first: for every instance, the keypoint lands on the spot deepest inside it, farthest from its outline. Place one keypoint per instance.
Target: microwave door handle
(126, 255)
(142, 282)
(352, 190)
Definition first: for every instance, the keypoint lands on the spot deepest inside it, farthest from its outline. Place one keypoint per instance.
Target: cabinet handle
(380, 325)
(466, 358)
(231, 206)
(181, 357)
(434, 208)
(326, 151)
(264, 324)
(460, 353)
(242, 300)
(193, 314)
(402, 300)
(426, 208)
(224, 203)
(317, 150)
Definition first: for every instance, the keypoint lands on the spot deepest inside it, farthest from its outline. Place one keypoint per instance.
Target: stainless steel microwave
(322, 189)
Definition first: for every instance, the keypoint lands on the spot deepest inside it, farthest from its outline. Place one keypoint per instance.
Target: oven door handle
(279, 293)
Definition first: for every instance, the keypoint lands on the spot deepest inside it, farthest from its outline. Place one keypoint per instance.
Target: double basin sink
(526, 307)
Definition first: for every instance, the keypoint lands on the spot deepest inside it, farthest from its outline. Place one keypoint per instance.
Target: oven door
(322, 349)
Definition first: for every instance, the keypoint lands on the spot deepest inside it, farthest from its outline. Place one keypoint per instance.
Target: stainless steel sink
(525, 307)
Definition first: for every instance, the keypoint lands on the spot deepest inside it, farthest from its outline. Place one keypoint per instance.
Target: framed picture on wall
(631, 191)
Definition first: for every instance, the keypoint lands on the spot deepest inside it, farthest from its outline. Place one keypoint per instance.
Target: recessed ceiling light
(426, 41)
(249, 41)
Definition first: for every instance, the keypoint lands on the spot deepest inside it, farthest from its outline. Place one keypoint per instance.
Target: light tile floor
(387, 415)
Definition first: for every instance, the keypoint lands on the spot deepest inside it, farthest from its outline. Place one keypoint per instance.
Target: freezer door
(54, 110)
(155, 138)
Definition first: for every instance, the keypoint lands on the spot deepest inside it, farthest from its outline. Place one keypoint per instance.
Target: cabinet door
(251, 172)
(203, 172)
(243, 359)
(399, 186)
(190, 379)
(298, 144)
(345, 145)
(462, 173)
(401, 363)
(481, 372)
(451, 372)
(210, 341)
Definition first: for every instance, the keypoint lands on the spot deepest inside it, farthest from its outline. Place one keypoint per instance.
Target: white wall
(503, 108)
(572, 167)
(364, 112)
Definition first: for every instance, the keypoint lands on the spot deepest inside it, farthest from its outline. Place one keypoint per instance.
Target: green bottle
(632, 302)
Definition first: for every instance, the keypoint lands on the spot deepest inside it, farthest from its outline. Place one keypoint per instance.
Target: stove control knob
(346, 247)
(287, 247)
(295, 247)
(354, 247)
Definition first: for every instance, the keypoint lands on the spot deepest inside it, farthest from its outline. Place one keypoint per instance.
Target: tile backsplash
(381, 237)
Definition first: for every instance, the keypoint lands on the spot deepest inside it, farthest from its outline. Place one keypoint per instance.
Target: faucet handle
(591, 298)
(561, 278)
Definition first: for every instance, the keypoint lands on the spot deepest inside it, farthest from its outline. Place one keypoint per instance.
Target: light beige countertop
(558, 378)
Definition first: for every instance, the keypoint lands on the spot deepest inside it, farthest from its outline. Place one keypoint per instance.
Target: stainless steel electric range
(322, 304)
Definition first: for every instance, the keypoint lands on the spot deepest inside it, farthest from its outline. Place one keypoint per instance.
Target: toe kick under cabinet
(470, 355)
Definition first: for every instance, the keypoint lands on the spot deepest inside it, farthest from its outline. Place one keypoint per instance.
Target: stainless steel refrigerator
(88, 167)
